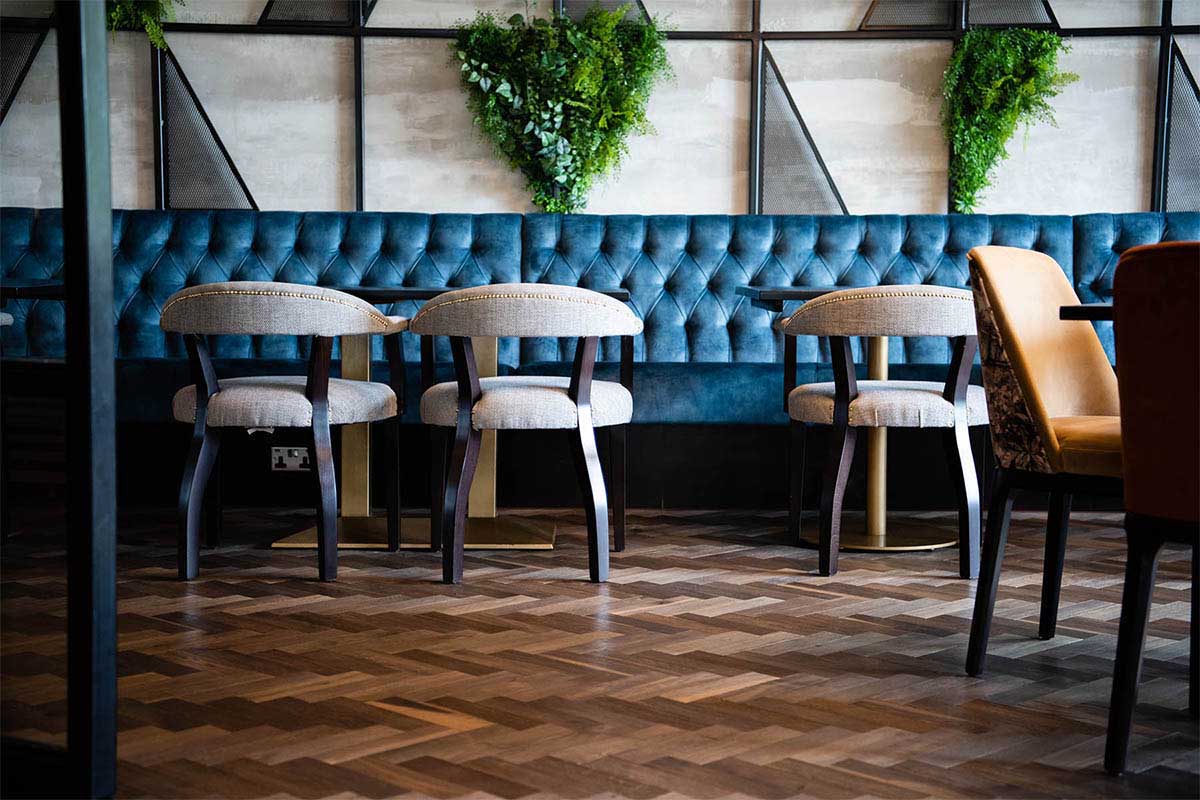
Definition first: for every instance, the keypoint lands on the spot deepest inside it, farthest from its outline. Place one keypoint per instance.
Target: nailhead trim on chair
(506, 296)
(375, 315)
(824, 301)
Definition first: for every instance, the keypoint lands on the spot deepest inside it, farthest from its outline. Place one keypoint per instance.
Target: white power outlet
(290, 459)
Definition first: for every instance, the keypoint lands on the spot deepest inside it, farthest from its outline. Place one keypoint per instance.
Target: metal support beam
(1162, 106)
(91, 440)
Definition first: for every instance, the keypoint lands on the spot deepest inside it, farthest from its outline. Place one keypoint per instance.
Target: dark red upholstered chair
(1156, 299)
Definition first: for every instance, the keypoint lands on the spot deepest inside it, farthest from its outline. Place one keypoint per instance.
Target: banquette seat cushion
(706, 355)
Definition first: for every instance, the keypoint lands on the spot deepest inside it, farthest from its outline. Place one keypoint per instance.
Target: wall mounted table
(357, 528)
(876, 536)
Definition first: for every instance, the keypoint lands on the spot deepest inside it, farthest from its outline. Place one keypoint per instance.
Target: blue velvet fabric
(709, 355)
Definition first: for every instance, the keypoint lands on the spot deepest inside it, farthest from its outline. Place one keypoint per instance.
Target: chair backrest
(260, 308)
(1156, 292)
(886, 311)
(1035, 365)
(525, 309)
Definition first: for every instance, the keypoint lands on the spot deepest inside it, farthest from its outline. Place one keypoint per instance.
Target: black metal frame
(754, 36)
(37, 46)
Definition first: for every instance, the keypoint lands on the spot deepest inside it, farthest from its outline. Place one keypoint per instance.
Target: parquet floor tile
(714, 664)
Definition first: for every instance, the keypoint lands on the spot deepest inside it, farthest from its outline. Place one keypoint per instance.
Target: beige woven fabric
(887, 404)
(525, 309)
(5, 318)
(886, 311)
(279, 402)
(265, 307)
(527, 403)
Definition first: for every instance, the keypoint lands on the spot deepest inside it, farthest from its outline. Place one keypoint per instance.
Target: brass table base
(483, 533)
(906, 535)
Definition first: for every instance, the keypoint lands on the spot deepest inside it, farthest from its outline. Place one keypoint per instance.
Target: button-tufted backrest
(157, 253)
(682, 271)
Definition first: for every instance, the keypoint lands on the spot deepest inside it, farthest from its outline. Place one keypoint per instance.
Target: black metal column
(360, 178)
(1162, 103)
(756, 101)
(91, 473)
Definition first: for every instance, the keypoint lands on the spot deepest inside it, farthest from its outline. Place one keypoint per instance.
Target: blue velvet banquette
(707, 356)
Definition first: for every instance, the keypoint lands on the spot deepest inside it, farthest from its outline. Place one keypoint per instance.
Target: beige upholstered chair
(847, 404)
(471, 405)
(1052, 399)
(316, 402)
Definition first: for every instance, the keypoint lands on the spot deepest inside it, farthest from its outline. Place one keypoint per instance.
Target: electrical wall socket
(290, 459)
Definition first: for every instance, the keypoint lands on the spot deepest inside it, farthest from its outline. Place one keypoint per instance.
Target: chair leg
(437, 485)
(1194, 660)
(796, 447)
(957, 442)
(393, 484)
(196, 471)
(595, 501)
(1052, 565)
(833, 490)
(989, 576)
(616, 451)
(327, 512)
(1140, 566)
(454, 505)
(212, 503)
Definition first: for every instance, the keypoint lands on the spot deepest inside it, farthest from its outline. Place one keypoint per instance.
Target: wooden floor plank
(715, 663)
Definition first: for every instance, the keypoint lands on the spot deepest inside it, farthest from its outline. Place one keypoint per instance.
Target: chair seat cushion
(1089, 445)
(527, 403)
(887, 404)
(279, 402)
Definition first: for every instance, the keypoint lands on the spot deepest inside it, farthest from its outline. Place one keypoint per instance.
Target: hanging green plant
(998, 79)
(142, 15)
(559, 98)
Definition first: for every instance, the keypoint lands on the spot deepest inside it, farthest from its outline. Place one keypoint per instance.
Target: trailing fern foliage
(142, 15)
(558, 98)
(997, 80)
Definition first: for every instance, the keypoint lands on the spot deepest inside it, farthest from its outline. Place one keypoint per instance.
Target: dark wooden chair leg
(1194, 660)
(327, 504)
(201, 457)
(616, 453)
(797, 442)
(1057, 523)
(957, 442)
(989, 576)
(212, 503)
(833, 490)
(393, 484)
(454, 508)
(1140, 565)
(595, 501)
(437, 484)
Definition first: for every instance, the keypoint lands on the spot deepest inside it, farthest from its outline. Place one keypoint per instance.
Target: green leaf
(559, 98)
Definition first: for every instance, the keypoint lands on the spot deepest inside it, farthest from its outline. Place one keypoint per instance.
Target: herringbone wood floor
(715, 663)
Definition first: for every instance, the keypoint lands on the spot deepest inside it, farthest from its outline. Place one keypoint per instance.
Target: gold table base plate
(483, 533)
(902, 536)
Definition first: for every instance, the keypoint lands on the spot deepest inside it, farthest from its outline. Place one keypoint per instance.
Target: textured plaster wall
(30, 158)
(283, 106)
(872, 109)
(424, 153)
(1099, 157)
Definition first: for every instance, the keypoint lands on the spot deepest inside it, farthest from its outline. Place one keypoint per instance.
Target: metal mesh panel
(908, 14)
(17, 51)
(327, 11)
(198, 172)
(1007, 12)
(793, 179)
(1183, 143)
(575, 9)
